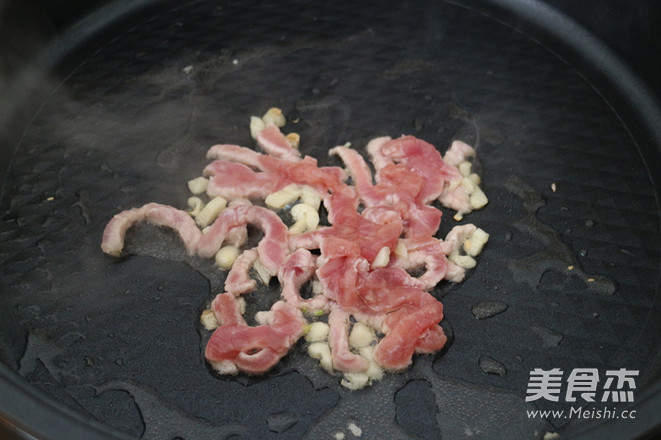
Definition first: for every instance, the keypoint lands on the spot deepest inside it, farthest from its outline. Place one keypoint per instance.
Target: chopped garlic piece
(262, 272)
(321, 351)
(274, 115)
(361, 335)
(208, 320)
(307, 218)
(241, 301)
(256, 126)
(310, 196)
(317, 332)
(478, 199)
(475, 178)
(294, 139)
(198, 185)
(454, 184)
(280, 199)
(382, 258)
(400, 249)
(210, 212)
(465, 261)
(355, 429)
(355, 381)
(239, 202)
(374, 372)
(224, 367)
(474, 244)
(317, 287)
(195, 204)
(367, 352)
(468, 185)
(464, 168)
(226, 256)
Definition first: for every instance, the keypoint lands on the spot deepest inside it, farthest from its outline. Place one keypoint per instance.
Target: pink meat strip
(338, 338)
(430, 341)
(341, 204)
(423, 158)
(238, 279)
(272, 248)
(255, 350)
(297, 270)
(361, 175)
(422, 221)
(441, 180)
(406, 328)
(388, 292)
(379, 160)
(234, 180)
(112, 242)
(430, 253)
(235, 153)
(301, 171)
(307, 240)
(226, 309)
(305, 172)
(286, 318)
(274, 143)
(399, 188)
(238, 235)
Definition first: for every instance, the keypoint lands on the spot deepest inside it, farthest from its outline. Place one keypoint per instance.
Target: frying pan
(120, 111)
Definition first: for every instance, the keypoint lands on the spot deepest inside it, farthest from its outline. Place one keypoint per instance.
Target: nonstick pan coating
(122, 115)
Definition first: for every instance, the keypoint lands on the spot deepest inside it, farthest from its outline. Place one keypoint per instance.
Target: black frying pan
(120, 113)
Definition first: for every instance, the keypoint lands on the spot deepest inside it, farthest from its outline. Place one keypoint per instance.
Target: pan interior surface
(573, 257)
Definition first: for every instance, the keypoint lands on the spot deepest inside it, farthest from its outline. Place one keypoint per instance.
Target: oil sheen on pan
(567, 280)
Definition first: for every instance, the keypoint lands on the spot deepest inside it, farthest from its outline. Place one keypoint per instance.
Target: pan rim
(531, 14)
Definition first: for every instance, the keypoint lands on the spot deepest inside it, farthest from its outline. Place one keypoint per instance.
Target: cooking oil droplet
(589, 223)
(555, 257)
(487, 309)
(599, 284)
(550, 338)
(281, 421)
(491, 366)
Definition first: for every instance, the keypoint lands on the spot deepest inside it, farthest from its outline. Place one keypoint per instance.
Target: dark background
(629, 27)
(632, 28)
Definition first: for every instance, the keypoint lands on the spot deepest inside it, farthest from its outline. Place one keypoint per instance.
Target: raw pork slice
(112, 242)
(255, 350)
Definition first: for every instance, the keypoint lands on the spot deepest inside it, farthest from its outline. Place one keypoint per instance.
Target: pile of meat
(367, 312)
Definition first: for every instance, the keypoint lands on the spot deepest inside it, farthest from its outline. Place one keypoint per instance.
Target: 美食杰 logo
(585, 389)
